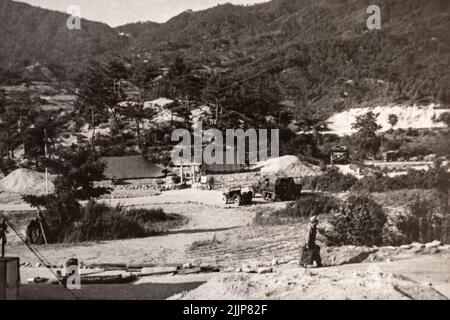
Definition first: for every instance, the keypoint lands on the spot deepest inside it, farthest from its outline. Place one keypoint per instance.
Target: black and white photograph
(247, 151)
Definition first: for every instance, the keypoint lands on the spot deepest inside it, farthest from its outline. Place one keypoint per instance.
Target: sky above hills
(119, 12)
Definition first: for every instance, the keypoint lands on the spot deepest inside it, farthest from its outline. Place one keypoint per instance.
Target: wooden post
(93, 128)
(46, 156)
(43, 233)
(181, 173)
(9, 278)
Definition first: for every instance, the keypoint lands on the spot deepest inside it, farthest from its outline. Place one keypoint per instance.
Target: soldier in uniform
(311, 251)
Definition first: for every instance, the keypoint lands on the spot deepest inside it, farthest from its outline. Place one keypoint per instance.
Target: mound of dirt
(304, 284)
(289, 166)
(24, 181)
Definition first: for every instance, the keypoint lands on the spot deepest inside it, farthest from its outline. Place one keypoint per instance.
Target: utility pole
(188, 108)
(93, 128)
(45, 155)
(217, 112)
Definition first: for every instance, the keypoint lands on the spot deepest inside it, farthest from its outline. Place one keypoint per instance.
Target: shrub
(424, 223)
(154, 220)
(392, 144)
(409, 151)
(413, 179)
(360, 222)
(311, 205)
(62, 211)
(332, 181)
(335, 181)
(412, 132)
(143, 216)
(101, 222)
(98, 221)
(399, 198)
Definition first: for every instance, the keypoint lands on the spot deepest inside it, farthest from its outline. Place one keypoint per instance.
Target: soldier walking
(311, 251)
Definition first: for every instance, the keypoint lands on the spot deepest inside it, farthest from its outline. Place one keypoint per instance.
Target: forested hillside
(32, 35)
(317, 55)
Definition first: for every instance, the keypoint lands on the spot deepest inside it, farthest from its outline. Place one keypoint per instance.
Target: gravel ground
(374, 281)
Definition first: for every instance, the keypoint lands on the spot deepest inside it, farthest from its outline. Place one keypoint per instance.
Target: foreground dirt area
(425, 277)
(369, 281)
(224, 236)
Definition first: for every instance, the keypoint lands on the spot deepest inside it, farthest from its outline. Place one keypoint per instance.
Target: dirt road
(208, 218)
(212, 198)
(168, 248)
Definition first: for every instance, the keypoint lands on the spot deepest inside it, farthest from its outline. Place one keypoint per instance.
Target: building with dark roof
(131, 167)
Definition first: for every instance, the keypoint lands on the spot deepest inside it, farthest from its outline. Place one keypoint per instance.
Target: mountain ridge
(317, 53)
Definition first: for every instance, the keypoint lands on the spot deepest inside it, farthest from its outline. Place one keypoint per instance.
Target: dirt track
(208, 218)
(167, 248)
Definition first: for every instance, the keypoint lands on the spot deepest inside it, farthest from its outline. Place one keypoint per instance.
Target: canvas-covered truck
(273, 188)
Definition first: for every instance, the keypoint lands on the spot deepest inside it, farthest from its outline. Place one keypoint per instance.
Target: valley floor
(224, 235)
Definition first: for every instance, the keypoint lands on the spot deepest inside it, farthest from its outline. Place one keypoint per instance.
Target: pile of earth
(312, 284)
(25, 181)
(289, 166)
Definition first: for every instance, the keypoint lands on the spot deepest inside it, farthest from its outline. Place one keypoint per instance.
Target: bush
(61, 210)
(412, 132)
(143, 216)
(332, 181)
(360, 222)
(410, 151)
(311, 205)
(423, 224)
(413, 179)
(98, 221)
(399, 198)
(335, 181)
(392, 144)
(154, 220)
(101, 222)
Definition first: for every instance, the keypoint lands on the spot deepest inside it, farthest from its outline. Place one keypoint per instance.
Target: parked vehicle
(238, 195)
(274, 188)
(339, 155)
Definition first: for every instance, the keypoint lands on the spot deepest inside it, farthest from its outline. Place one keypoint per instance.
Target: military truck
(238, 195)
(273, 188)
(339, 155)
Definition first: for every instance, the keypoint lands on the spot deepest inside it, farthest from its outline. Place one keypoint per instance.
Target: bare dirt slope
(408, 117)
(307, 284)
